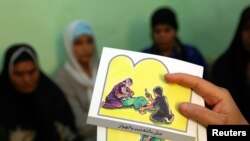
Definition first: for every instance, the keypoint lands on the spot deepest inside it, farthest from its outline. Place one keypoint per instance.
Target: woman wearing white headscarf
(77, 76)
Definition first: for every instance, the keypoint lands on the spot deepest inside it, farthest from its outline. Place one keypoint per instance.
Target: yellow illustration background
(148, 73)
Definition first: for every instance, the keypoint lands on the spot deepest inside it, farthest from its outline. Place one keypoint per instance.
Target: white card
(131, 94)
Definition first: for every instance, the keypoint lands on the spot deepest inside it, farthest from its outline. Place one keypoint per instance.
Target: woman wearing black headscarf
(164, 28)
(30, 103)
(232, 69)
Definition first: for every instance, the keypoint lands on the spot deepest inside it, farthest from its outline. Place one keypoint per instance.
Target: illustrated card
(131, 94)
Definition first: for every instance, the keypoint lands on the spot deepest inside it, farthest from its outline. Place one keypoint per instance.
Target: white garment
(71, 65)
(75, 82)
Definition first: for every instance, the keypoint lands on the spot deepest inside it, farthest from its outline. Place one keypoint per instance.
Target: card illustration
(126, 93)
(149, 138)
(121, 93)
(162, 112)
(122, 96)
(131, 94)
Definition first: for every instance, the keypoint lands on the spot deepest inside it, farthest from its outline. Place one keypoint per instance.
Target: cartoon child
(120, 92)
(162, 111)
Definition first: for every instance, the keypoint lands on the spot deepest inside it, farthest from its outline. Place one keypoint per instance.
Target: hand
(148, 138)
(149, 96)
(22, 135)
(120, 96)
(142, 110)
(223, 108)
(132, 93)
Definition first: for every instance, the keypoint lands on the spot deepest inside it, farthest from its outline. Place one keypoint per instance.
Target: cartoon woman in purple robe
(120, 92)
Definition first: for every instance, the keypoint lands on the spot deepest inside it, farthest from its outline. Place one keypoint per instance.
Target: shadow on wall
(138, 36)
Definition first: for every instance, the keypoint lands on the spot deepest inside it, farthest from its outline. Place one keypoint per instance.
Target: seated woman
(30, 103)
(232, 69)
(164, 29)
(76, 78)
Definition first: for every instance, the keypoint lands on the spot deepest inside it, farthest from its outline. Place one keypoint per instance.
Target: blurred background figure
(164, 28)
(32, 107)
(3, 135)
(77, 76)
(232, 69)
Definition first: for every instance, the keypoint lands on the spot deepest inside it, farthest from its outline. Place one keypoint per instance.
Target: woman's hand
(223, 108)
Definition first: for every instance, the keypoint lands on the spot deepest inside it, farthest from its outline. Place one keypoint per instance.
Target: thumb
(201, 114)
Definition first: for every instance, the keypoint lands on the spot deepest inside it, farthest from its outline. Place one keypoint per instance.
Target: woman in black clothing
(30, 103)
(232, 69)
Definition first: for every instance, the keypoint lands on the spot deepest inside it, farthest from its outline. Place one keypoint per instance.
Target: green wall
(207, 24)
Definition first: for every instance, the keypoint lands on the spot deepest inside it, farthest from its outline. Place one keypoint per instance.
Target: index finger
(211, 93)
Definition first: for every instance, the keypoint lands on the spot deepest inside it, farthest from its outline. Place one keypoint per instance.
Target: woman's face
(123, 90)
(83, 49)
(164, 36)
(25, 76)
(245, 36)
(128, 84)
